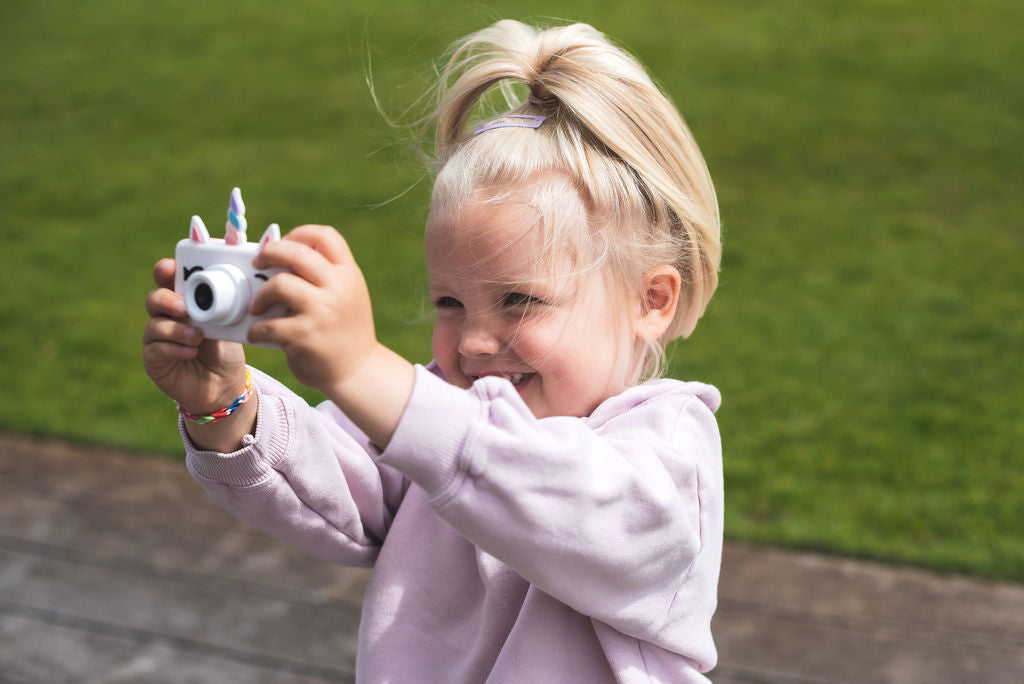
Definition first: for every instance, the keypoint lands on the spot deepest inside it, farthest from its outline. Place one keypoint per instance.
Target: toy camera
(217, 279)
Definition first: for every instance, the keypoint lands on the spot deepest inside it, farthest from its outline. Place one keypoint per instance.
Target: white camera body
(217, 279)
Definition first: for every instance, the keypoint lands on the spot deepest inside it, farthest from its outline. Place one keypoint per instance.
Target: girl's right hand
(201, 375)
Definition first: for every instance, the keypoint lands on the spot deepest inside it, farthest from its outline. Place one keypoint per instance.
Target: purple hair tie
(511, 121)
(534, 100)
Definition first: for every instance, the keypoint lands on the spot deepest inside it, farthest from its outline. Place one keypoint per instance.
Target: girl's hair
(610, 134)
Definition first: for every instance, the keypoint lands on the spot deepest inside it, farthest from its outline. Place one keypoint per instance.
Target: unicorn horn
(236, 220)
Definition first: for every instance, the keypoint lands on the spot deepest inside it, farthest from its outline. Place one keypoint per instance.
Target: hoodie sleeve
(306, 477)
(607, 514)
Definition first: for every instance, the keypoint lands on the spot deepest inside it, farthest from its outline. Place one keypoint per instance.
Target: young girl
(533, 510)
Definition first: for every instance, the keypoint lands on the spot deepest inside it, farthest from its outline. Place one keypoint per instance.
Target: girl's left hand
(329, 330)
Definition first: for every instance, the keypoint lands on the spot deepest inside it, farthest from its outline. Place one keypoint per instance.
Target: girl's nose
(477, 340)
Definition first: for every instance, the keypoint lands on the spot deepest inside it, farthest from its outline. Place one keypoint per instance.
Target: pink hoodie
(505, 548)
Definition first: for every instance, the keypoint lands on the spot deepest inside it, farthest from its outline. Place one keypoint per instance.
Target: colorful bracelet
(227, 410)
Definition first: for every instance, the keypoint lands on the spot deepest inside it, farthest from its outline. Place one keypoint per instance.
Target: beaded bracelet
(227, 410)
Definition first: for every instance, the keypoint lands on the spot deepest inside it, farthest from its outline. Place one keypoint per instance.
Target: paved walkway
(117, 568)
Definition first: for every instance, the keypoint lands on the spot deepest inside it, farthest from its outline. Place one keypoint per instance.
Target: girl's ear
(659, 301)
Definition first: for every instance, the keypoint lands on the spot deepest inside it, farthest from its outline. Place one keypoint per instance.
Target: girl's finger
(161, 329)
(163, 273)
(284, 288)
(295, 256)
(165, 302)
(325, 240)
(156, 353)
(277, 331)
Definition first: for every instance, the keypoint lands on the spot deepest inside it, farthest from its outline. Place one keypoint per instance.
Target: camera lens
(219, 295)
(203, 296)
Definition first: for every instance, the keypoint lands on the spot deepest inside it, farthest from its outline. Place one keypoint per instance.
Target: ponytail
(609, 129)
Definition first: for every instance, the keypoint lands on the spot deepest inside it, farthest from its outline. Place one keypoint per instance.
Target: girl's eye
(447, 303)
(519, 299)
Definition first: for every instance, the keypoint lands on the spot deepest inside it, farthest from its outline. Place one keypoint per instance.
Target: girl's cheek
(437, 344)
(538, 342)
(444, 347)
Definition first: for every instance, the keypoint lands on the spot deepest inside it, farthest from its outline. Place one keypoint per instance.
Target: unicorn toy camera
(217, 279)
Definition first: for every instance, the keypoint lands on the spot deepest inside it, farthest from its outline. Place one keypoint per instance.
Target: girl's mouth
(518, 380)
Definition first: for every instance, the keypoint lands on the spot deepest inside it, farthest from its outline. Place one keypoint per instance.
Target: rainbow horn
(236, 224)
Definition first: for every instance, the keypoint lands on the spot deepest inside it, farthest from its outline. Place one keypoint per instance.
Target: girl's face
(559, 343)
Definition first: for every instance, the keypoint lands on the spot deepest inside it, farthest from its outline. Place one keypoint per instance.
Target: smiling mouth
(515, 378)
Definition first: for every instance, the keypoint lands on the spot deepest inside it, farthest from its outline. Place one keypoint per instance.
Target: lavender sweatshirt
(505, 548)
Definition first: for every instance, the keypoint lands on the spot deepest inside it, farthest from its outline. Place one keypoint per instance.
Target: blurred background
(867, 332)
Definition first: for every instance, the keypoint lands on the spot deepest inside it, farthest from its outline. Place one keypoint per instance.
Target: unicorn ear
(198, 232)
(271, 234)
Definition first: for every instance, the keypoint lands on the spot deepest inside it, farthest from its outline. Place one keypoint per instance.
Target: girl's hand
(201, 375)
(329, 330)
(329, 337)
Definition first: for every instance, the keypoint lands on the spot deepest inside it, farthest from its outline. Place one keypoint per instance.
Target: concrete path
(116, 568)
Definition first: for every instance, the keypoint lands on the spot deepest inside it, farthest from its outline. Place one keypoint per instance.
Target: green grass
(867, 332)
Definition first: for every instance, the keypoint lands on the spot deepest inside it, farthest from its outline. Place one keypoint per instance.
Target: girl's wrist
(225, 436)
(221, 429)
(374, 396)
(223, 407)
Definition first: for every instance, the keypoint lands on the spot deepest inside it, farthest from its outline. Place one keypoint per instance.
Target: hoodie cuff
(250, 465)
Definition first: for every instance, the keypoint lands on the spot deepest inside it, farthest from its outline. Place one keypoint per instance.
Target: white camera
(217, 279)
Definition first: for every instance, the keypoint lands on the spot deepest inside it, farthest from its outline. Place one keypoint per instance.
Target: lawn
(868, 330)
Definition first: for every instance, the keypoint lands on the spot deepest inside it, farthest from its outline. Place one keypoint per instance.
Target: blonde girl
(536, 506)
